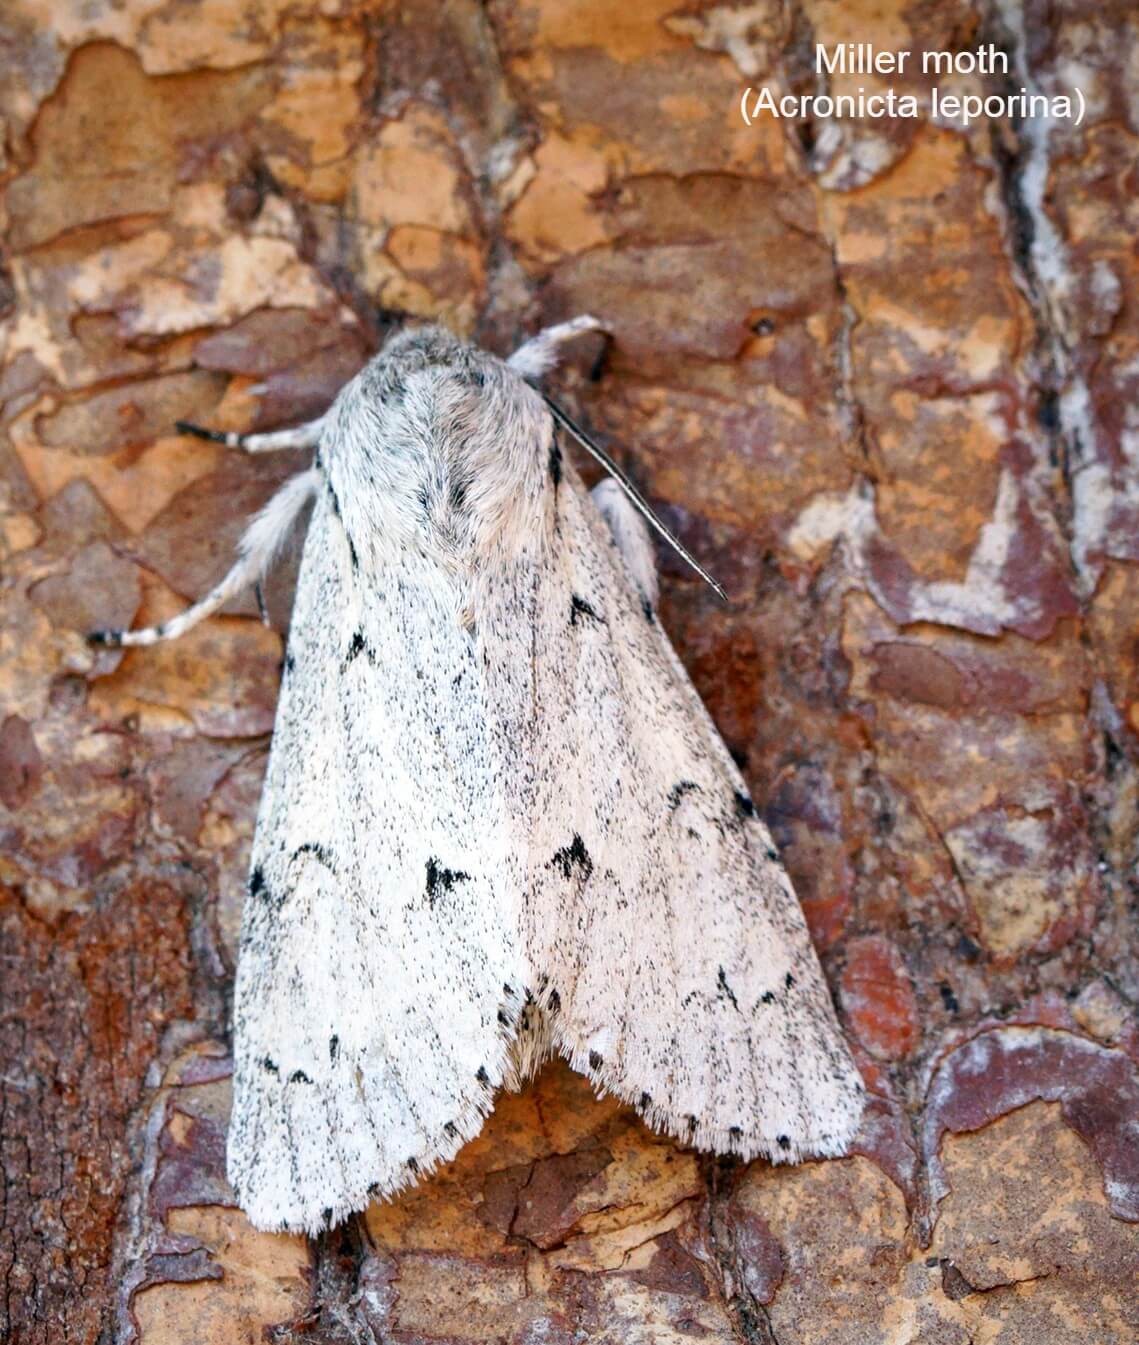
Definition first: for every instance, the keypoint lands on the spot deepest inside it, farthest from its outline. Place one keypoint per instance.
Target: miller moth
(497, 820)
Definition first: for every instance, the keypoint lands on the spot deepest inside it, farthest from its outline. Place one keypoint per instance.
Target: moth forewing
(497, 820)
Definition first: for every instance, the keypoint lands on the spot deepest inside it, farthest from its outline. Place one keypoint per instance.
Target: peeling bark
(878, 377)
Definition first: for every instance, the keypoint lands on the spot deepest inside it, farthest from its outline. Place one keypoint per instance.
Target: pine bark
(878, 375)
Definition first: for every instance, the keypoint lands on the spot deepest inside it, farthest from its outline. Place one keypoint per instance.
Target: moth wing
(381, 934)
(660, 922)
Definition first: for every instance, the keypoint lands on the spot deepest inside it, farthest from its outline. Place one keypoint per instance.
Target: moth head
(439, 446)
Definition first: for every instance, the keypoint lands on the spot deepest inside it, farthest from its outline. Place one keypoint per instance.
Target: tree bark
(877, 373)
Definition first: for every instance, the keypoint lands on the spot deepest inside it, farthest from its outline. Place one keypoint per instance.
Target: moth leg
(631, 535)
(255, 553)
(300, 436)
(540, 353)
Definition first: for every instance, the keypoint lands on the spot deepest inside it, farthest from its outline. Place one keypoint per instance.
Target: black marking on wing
(257, 884)
(573, 856)
(788, 980)
(326, 1215)
(451, 1130)
(290, 662)
(440, 881)
(595, 1060)
(357, 646)
(413, 1165)
(735, 1133)
(269, 1065)
(333, 1047)
(744, 805)
(555, 461)
(772, 854)
(647, 608)
(554, 1003)
(579, 608)
(299, 1076)
(784, 1141)
(678, 791)
(768, 997)
(645, 1101)
(314, 848)
(726, 989)
(483, 1077)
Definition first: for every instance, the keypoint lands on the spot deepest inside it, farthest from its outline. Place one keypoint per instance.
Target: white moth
(497, 820)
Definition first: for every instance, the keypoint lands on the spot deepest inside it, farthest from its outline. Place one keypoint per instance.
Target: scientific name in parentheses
(943, 107)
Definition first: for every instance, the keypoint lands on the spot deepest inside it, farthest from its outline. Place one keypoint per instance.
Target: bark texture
(880, 376)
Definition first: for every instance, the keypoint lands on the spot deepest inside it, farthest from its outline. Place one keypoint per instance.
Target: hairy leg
(255, 553)
(300, 436)
(540, 353)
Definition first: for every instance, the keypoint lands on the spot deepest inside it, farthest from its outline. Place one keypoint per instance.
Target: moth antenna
(635, 497)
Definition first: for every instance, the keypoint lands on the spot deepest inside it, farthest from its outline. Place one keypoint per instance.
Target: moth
(497, 820)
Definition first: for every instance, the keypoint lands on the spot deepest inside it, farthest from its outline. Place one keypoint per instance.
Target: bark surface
(878, 374)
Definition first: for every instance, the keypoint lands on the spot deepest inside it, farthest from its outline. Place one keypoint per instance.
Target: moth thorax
(445, 458)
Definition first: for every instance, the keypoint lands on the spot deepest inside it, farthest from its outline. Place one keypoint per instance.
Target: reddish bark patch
(759, 1255)
(673, 1270)
(546, 1204)
(879, 999)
